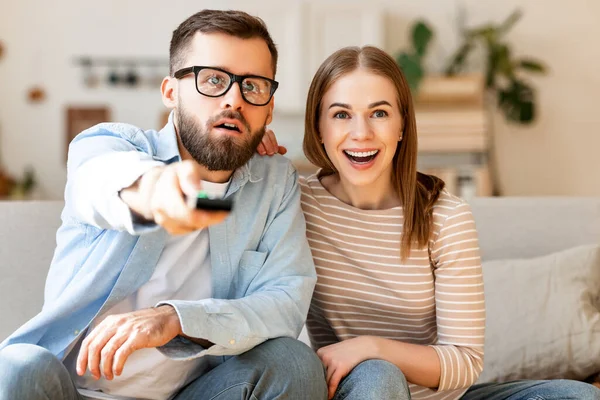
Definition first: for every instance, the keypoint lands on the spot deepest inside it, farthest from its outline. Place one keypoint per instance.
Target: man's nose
(233, 98)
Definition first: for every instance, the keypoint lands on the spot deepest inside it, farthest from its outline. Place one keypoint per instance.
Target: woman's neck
(379, 195)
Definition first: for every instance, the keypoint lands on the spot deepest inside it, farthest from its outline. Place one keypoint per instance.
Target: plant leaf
(410, 64)
(527, 112)
(517, 102)
(503, 64)
(532, 65)
(481, 31)
(490, 73)
(457, 62)
(421, 36)
(509, 22)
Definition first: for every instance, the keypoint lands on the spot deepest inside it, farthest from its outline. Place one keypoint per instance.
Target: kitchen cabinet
(305, 34)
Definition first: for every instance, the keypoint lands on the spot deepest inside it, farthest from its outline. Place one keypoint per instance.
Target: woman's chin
(359, 179)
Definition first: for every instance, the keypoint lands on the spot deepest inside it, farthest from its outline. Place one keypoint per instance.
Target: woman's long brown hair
(417, 192)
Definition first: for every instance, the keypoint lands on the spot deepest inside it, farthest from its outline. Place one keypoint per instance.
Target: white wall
(558, 155)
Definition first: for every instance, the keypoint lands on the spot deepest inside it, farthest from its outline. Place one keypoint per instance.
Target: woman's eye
(341, 115)
(380, 114)
(214, 80)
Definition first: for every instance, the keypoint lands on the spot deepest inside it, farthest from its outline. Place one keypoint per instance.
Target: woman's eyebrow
(343, 105)
(372, 105)
(379, 103)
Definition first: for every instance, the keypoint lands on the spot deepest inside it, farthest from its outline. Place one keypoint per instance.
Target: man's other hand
(105, 350)
(269, 145)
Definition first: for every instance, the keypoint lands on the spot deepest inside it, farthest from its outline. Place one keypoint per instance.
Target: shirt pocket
(252, 259)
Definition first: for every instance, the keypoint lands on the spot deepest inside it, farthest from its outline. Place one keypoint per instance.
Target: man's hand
(159, 196)
(118, 336)
(340, 359)
(269, 145)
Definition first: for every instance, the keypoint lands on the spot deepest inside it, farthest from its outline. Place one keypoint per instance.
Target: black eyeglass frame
(232, 79)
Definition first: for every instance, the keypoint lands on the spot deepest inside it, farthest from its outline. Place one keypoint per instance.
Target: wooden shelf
(452, 130)
(451, 118)
(465, 89)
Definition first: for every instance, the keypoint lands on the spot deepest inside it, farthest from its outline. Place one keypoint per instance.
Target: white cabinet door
(285, 23)
(332, 26)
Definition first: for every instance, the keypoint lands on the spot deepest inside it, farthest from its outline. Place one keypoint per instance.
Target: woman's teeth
(361, 157)
(361, 153)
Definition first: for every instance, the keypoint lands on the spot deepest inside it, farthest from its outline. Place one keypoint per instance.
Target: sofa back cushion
(543, 316)
(27, 242)
(521, 227)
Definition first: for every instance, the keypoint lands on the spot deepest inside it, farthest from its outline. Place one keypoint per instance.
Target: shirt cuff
(99, 182)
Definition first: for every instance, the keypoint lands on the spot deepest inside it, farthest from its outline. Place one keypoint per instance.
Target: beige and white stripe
(435, 297)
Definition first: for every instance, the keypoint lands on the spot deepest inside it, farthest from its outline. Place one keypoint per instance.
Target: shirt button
(76, 332)
(232, 341)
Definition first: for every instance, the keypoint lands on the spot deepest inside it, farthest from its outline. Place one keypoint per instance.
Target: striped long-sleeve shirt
(435, 297)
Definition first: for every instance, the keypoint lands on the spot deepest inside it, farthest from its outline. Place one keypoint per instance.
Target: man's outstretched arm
(115, 183)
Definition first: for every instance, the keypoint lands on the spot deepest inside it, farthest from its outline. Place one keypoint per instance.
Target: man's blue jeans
(276, 369)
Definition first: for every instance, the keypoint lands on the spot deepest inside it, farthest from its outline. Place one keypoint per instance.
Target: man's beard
(217, 152)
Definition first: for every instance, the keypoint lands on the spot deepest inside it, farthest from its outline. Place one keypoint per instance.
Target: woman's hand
(340, 358)
(269, 145)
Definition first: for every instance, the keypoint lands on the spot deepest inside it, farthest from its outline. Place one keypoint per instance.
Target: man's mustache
(229, 114)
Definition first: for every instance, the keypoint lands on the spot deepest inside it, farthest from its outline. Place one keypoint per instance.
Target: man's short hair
(235, 23)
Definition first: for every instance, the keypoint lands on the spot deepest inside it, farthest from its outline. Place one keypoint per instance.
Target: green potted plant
(504, 77)
(411, 61)
(428, 89)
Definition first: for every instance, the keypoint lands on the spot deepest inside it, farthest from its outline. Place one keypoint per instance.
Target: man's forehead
(236, 55)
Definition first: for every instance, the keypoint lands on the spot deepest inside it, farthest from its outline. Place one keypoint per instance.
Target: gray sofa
(509, 228)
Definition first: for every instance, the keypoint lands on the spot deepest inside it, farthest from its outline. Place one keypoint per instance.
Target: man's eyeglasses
(215, 82)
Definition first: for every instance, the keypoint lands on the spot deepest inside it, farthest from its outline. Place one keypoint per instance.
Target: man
(149, 298)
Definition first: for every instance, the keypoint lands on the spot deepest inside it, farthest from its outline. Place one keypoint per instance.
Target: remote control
(202, 201)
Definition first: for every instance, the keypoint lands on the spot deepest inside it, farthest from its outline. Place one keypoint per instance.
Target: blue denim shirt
(263, 275)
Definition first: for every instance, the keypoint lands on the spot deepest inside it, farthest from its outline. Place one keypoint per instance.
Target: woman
(399, 296)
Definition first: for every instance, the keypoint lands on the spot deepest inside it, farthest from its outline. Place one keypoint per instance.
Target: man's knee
(295, 366)
(24, 368)
(294, 356)
(25, 360)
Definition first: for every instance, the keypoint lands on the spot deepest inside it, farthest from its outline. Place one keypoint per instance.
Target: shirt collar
(167, 149)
